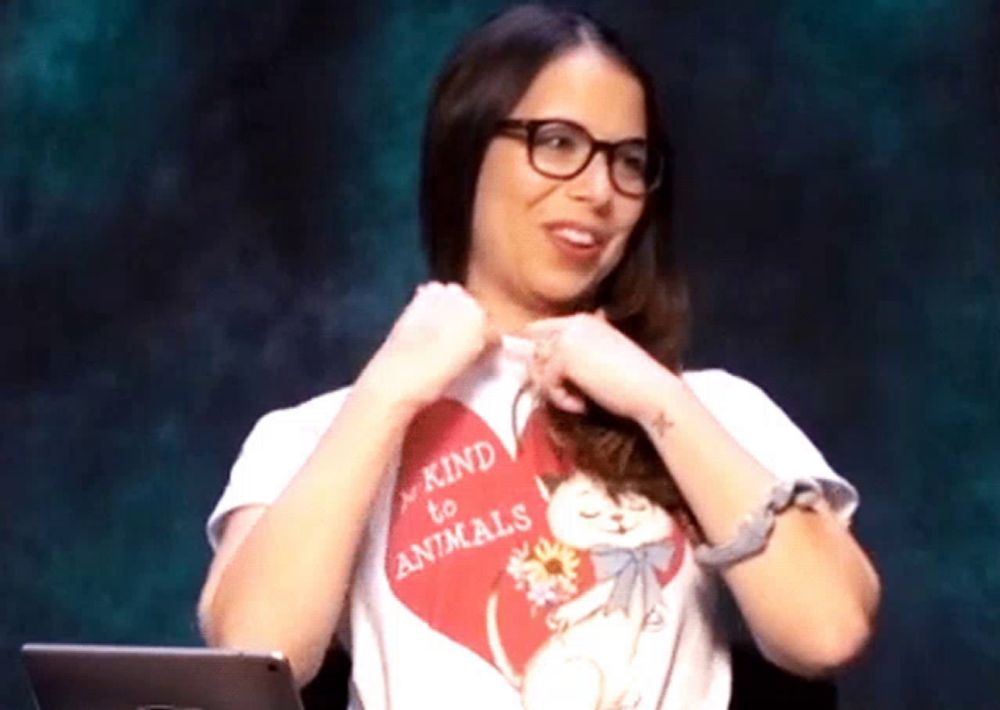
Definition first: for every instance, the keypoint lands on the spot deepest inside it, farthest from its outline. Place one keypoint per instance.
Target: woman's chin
(566, 300)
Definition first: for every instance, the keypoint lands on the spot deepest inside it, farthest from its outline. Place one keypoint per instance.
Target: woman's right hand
(438, 335)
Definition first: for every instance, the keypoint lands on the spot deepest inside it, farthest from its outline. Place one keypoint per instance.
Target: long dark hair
(644, 296)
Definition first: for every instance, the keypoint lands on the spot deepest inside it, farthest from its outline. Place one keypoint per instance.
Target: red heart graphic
(461, 508)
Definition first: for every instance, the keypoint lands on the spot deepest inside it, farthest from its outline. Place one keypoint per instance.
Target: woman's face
(541, 245)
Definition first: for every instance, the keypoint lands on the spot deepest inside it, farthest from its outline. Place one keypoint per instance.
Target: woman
(472, 550)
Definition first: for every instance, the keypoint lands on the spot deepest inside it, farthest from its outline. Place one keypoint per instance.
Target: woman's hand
(583, 355)
(438, 335)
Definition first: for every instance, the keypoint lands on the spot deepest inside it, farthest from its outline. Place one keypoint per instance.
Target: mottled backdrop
(207, 210)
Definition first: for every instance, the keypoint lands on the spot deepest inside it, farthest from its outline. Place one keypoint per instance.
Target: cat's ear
(547, 484)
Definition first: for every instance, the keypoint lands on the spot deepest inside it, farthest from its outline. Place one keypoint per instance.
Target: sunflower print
(546, 572)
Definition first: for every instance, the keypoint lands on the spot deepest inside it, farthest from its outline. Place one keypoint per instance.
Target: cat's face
(584, 516)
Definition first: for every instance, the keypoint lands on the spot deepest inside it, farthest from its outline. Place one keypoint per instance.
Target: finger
(491, 332)
(601, 315)
(426, 289)
(562, 398)
(548, 373)
(544, 348)
(544, 369)
(537, 378)
(535, 375)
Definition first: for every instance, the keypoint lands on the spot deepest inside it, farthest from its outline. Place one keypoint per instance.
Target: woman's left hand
(583, 354)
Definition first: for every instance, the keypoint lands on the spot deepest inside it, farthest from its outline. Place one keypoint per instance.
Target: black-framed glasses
(562, 149)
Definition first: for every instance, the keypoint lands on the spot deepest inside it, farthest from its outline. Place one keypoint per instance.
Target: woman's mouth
(575, 240)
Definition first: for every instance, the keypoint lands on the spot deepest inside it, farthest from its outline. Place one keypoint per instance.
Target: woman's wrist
(383, 394)
(661, 402)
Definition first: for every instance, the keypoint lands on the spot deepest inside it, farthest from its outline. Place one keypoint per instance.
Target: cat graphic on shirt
(587, 661)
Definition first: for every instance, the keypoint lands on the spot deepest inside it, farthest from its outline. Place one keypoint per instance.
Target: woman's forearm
(810, 596)
(284, 586)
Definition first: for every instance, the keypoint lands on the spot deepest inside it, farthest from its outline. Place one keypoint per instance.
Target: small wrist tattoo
(661, 425)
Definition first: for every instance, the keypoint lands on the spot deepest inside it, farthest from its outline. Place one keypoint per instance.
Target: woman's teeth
(577, 237)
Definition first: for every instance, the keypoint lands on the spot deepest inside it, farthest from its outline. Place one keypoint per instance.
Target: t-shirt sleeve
(766, 432)
(277, 447)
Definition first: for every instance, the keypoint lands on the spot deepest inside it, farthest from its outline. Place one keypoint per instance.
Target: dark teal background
(208, 211)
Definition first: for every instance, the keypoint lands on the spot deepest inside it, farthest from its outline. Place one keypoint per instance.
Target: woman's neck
(509, 317)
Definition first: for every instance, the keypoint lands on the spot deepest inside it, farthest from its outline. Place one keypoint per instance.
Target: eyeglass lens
(562, 150)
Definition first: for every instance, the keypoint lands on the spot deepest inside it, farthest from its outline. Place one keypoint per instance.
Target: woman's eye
(558, 141)
(636, 505)
(635, 164)
(588, 514)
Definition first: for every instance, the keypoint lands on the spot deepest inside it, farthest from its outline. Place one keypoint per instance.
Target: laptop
(85, 677)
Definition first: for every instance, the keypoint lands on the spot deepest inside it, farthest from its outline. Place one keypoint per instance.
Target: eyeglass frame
(532, 126)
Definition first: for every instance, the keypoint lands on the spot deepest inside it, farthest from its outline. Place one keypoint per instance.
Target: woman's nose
(594, 183)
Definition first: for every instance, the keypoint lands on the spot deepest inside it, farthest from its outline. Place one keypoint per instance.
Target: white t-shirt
(478, 585)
